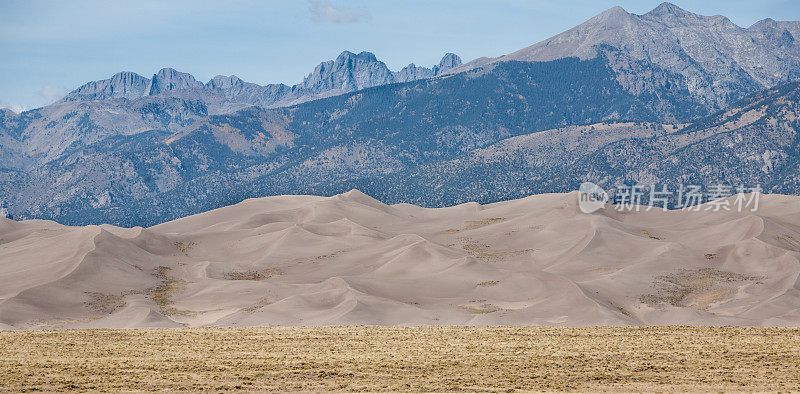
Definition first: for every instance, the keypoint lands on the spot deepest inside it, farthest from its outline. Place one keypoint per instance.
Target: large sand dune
(349, 259)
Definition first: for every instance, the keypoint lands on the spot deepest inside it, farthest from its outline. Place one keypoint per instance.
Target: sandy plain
(371, 358)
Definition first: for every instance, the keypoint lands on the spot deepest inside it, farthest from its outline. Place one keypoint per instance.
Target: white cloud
(52, 93)
(326, 11)
(18, 108)
(48, 93)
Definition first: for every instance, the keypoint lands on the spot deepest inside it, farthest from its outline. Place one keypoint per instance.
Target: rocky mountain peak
(169, 79)
(124, 84)
(669, 9)
(224, 82)
(782, 33)
(363, 56)
(412, 72)
(450, 60)
(670, 15)
(767, 23)
(126, 78)
(348, 72)
(612, 15)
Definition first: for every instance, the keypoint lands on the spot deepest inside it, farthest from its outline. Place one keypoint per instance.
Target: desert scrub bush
(253, 274)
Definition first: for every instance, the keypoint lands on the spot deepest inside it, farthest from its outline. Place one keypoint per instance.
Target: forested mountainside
(220, 159)
(755, 143)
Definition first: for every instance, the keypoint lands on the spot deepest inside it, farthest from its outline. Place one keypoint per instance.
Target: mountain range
(665, 97)
(348, 72)
(718, 59)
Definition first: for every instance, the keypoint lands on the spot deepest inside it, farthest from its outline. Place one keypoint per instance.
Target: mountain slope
(753, 143)
(147, 177)
(720, 60)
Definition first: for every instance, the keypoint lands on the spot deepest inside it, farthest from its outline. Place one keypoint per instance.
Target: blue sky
(50, 47)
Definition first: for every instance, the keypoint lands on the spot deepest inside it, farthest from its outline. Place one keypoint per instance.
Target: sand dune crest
(350, 259)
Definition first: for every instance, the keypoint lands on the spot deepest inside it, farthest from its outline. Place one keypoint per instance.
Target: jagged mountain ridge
(128, 104)
(347, 73)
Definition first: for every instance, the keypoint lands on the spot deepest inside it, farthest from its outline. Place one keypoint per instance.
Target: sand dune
(350, 259)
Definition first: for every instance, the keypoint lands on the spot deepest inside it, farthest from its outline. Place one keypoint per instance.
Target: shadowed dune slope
(350, 259)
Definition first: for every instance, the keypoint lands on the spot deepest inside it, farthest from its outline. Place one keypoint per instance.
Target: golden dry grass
(403, 359)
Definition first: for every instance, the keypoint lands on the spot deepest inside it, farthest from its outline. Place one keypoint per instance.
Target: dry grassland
(403, 359)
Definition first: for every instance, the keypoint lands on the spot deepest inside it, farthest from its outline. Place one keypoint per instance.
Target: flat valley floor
(371, 358)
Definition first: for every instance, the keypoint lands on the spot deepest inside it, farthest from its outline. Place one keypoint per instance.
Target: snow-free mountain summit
(347, 73)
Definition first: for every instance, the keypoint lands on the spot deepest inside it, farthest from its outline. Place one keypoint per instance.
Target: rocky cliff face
(448, 62)
(168, 79)
(121, 85)
(348, 72)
